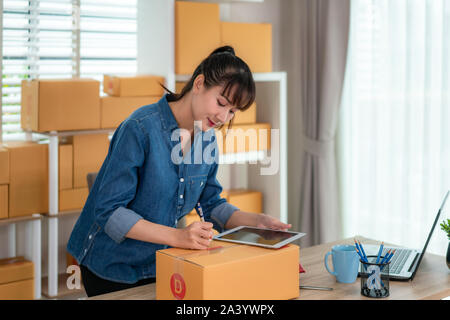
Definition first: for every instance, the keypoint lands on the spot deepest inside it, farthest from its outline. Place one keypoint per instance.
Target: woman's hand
(265, 221)
(197, 235)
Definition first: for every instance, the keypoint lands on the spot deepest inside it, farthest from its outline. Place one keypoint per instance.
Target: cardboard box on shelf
(252, 42)
(245, 138)
(133, 86)
(197, 34)
(72, 199)
(114, 110)
(4, 165)
(70, 260)
(193, 216)
(245, 117)
(28, 186)
(246, 200)
(4, 201)
(89, 152)
(60, 104)
(65, 166)
(16, 279)
(228, 271)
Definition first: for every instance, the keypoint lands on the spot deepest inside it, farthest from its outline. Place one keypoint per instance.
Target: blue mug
(345, 263)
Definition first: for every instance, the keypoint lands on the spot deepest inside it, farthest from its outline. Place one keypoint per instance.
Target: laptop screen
(430, 234)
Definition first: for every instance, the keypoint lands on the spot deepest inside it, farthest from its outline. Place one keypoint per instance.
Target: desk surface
(432, 280)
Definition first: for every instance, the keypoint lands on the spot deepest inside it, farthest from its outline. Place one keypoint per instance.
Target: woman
(143, 189)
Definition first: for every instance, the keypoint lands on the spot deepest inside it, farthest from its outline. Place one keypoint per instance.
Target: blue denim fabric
(142, 177)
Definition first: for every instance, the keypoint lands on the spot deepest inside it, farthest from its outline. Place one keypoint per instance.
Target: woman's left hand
(265, 221)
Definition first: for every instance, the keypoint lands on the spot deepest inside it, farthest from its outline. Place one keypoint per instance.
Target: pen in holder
(375, 277)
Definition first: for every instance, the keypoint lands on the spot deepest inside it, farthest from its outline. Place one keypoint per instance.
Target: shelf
(62, 214)
(71, 133)
(62, 287)
(242, 157)
(4, 222)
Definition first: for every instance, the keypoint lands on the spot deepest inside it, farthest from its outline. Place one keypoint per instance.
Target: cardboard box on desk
(133, 86)
(28, 186)
(227, 271)
(61, 105)
(16, 279)
(114, 110)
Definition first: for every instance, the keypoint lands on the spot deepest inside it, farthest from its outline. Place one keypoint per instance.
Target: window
(62, 39)
(394, 132)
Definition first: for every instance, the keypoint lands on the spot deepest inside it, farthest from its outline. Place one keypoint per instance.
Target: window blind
(62, 39)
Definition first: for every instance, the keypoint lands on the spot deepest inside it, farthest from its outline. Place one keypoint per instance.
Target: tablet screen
(268, 237)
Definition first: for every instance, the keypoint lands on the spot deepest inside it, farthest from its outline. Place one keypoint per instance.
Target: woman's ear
(198, 83)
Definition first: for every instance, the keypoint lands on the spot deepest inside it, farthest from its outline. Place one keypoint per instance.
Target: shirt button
(85, 250)
(181, 180)
(90, 236)
(181, 196)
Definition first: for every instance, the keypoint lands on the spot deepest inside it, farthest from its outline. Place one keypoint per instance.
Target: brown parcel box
(72, 199)
(197, 33)
(65, 166)
(114, 110)
(245, 200)
(134, 86)
(252, 42)
(63, 104)
(244, 138)
(4, 165)
(16, 279)
(89, 152)
(227, 271)
(4, 201)
(28, 186)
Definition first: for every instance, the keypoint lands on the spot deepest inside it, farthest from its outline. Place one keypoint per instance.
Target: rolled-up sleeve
(215, 208)
(119, 181)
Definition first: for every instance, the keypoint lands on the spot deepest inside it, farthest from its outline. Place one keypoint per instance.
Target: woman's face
(209, 106)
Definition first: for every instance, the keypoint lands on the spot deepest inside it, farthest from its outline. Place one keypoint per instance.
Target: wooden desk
(432, 280)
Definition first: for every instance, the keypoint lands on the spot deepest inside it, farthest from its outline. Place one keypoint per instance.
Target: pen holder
(374, 278)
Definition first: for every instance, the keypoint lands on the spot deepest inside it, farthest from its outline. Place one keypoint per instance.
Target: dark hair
(222, 67)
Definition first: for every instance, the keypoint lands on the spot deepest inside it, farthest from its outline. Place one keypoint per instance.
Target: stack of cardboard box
(23, 179)
(78, 156)
(198, 31)
(125, 95)
(16, 279)
(245, 200)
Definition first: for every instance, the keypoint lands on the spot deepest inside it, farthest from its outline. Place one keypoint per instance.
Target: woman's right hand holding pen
(197, 235)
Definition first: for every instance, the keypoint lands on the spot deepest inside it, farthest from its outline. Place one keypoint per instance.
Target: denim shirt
(142, 177)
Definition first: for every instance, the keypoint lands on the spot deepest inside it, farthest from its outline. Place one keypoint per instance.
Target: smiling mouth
(210, 123)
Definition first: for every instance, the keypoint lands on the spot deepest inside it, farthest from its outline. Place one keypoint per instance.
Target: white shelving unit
(53, 201)
(32, 244)
(156, 55)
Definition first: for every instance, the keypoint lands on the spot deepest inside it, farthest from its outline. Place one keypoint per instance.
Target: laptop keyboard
(398, 259)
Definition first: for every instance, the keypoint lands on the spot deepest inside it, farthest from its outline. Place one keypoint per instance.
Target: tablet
(261, 237)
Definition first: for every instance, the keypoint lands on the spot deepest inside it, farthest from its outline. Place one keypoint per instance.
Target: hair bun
(224, 50)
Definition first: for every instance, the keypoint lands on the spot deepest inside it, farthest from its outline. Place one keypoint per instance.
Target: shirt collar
(167, 118)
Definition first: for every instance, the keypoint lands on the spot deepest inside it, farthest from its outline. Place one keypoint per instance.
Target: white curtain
(394, 128)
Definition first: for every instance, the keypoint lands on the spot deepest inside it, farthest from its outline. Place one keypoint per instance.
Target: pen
(362, 251)
(199, 210)
(379, 252)
(385, 257)
(316, 288)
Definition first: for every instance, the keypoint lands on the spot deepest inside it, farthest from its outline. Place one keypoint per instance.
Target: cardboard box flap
(222, 252)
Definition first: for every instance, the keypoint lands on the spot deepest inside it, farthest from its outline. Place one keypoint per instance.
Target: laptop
(404, 262)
